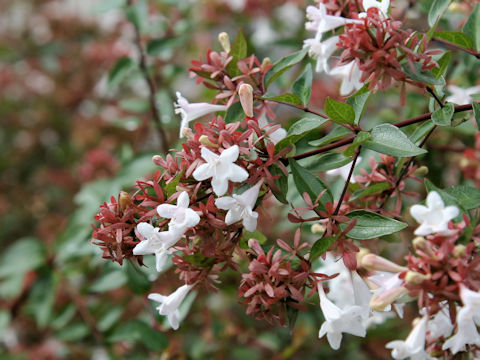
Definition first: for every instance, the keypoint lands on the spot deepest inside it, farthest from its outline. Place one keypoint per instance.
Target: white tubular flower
(240, 207)
(181, 216)
(155, 242)
(321, 51)
(434, 217)
(193, 111)
(351, 75)
(275, 136)
(414, 345)
(382, 6)
(466, 334)
(169, 304)
(460, 95)
(338, 321)
(440, 325)
(344, 171)
(220, 168)
(321, 22)
(471, 299)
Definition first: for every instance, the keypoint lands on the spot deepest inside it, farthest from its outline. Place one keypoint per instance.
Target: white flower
(169, 304)
(440, 325)
(193, 111)
(275, 136)
(466, 334)
(460, 95)
(321, 22)
(351, 75)
(434, 217)
(386, 283)
(321, 51)
(414, 344)
(155, 242)
(220, 168)
(240, 207)
(344, 171)
(382, 6)
(181, 216)
(338, 321)
(471, 299)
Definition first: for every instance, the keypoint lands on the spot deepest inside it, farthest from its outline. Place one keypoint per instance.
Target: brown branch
(151, 86)
(347, 182)
(349, 139)
(457, 47)
(300, 107)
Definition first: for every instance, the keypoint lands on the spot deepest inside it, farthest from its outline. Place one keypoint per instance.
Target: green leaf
(24, 255)
(436, 11)
(247, 235)
(42, 299)
(302, 87)
(298, 130)
(234, 113)
(390, 140)
(109, 281)
(457, 38)
(110, 318)
(171, 187)
(238, 51)
(137, 13)
(374, 189)
(156, 47)
(423, 76)
(73, 333)
(443, 63)
(358, 102)
(120, 71)
(283, 65)
(287, 98)
(137, 280)
(444, 115)
(476, 113)
(4, 321)
(199, 259)
(320, 246)
(339, 112)
(371, 225)
(421, 131)
(138, 331)
(468, 196)
(281, 182)
(329, 161)
(335, 134)
(472, 27)
(308, 182)
(359, 140)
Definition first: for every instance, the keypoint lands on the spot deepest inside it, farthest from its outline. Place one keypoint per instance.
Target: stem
(456, 47)
(300, 107)
(347, 182)
(437, 99)
(349, 139)
(151, 86)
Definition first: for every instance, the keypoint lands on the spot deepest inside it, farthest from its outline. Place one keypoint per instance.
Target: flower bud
(265, 63)
(245, 93)
(224, 40)
(204, 140)
(386, 298)
(157, 160)
(459, 250)
(318, 228)
(464, 162)
(361, 254)
(419, 243)
(377, 263)
(187, 133)
(124, 200)
(422, 170)
(415, 278)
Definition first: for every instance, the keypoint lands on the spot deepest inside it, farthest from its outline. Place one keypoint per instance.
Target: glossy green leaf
(234, 113)
(247, 235)
(281, 182)
(437, 9)
(283, 65)
(359, 140)
(358, 102)
(329, 161)
(371, 225)
(443, 63)
(320, 246)
(390, 140)
(468, 196)
(421, 131)
(418, 74)
(472, 27)
(444, 115)
(455, 37)
(308, 182)
(298, 130)
(374, 189)
(171, 187)
(238, 51)
(339, 112)
(335, 134)
(302, 87)
(286, 98)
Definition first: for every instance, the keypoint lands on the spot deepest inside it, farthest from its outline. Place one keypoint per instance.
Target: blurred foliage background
(76, 129)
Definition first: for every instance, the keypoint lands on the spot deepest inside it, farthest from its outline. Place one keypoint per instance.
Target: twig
(300, 107)
(347, 182)
(151, 86)
(456, 47)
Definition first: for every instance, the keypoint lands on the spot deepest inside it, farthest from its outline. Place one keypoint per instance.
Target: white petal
(191, 218)
(161, 258)
(424, 230)
(434, 201)
(237, 174)
(418, 212)
(166, 210)
(203, 172)
(334, 339)
(450, 212)
(225, 203)
(219, 185)
(208, 155)
(230, 154)
(232, 217)
(183, 200)
(146, 230)
(250, 222)
(157, 297)
(173, 319)
(144, 248)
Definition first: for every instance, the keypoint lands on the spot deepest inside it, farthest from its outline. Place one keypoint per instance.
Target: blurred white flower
(240, 207)
(460, 95)
(350, 74)
(220, 168)
(321, 22)
(169, 304)
(382, 6)
(467, 333)
(321, 51)
(414, 345)
(434, 217)
(192, 111)
(182, 217)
